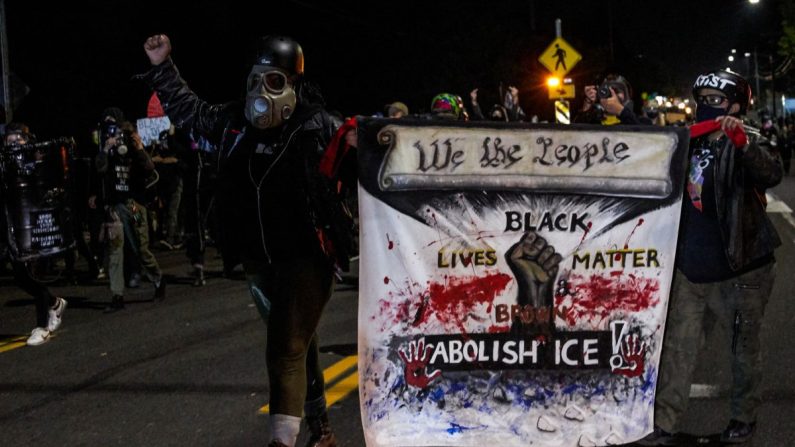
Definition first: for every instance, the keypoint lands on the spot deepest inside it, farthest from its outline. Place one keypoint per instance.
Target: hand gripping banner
(514, 280)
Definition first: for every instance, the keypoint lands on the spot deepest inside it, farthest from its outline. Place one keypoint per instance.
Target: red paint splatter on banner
(386, 280)
(617, 257)
(626, 243)
(391, 243)
(584, 235)
(498, 329)
(596, 297)
(450, 303)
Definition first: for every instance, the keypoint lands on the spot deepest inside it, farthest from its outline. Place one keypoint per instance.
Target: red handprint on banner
(631, 360)
(415, 364)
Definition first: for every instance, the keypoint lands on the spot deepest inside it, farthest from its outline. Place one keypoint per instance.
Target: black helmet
(734, 86)
(280, 52)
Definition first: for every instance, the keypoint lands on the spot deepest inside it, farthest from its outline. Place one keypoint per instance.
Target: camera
(603, 91)
(112, 130)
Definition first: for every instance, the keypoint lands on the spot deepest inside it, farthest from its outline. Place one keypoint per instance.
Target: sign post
(559, 58)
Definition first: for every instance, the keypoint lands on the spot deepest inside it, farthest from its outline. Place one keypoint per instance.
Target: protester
(125, 169)
(608, 103)
(497, 113)
(166, 152)
(448, 107)
(49, 308)
(397, 110)
(724, 221)
(279, 211)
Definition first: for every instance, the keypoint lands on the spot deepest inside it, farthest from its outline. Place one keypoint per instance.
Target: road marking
(341, 388)
(775, 205)
(13, 343)
(703, 391)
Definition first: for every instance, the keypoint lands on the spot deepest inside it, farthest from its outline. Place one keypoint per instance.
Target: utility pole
(772, 84)
(5, 70)
(756, 73)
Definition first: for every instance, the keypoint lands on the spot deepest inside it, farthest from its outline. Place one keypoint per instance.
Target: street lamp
(753, 2)
(731, 58)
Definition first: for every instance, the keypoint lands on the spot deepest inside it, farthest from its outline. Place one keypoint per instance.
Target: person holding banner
(723, 220)
(281, 215)
(49, 308)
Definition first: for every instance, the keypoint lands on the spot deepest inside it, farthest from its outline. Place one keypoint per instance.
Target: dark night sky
(78, 57)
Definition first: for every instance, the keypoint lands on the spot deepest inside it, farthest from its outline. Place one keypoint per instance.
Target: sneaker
(38, 336)
(198, 277)
(160, 289)
(116, 304)
(659, 437)
(135, 281)
(737, 432)
(56, 312)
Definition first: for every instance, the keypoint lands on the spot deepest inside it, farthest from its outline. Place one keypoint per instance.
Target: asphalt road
(191, 370)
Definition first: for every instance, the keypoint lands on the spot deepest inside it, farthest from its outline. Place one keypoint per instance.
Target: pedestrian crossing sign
(559, 57)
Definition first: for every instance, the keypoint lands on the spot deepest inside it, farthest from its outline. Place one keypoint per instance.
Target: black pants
(42, 297)
(290, 296)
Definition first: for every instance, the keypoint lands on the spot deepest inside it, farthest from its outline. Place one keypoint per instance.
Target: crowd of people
(229, 165)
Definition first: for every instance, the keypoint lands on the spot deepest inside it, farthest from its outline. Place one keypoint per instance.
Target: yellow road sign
(562, 91)
(559, 57)
(562, 112)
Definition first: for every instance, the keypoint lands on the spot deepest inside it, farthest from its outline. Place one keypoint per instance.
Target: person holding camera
(723, 220)
(282, 217)
(125, 167)
(609, 103)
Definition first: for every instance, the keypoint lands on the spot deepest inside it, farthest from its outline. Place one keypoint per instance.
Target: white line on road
(703, 391)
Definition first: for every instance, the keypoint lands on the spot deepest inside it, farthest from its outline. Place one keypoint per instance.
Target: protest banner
(514, 280)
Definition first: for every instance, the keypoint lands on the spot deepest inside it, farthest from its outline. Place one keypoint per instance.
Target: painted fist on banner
(415, 364)
(534, 263)
(632, 357)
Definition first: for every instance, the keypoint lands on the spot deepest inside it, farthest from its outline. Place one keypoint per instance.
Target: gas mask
(270, 98)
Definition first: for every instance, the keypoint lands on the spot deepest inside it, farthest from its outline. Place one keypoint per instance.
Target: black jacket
(741, 178)
(273, 202)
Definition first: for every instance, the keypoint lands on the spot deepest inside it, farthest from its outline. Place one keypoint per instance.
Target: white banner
(508, 301)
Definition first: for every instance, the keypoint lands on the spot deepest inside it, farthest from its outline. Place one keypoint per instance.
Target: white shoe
(56, 312)
(38, 336)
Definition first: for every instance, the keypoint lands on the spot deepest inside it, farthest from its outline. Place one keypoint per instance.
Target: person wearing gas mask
(279, 213)
(723, 220)
(609, 103)
(125, 168)
(49, 308)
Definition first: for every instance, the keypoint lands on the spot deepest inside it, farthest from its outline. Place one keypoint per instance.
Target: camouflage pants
(130, 224)
(738, 305)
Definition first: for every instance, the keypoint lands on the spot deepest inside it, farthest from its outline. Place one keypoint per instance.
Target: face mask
(270, 99)
(708, 113)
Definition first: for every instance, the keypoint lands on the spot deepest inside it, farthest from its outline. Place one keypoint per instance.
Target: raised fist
(534, 263)
(157, 47)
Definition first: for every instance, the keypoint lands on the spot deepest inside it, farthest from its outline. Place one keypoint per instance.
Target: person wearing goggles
(280, 217)
(723, 221)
